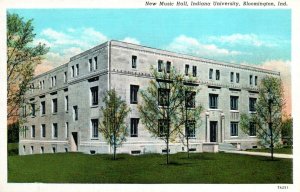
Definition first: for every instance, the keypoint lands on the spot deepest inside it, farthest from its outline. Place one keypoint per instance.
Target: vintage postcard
(149, 95)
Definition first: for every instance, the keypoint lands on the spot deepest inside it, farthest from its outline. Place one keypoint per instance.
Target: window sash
(213, 101)
(134, 127)
(187, 70)
(190, 98)
(95, 123)
(133, 61)
(211, 73)
(194, 71)
(159, 67)
(33, 131)
(237, 78)
(163, 127)
(234, 100)
(252, 102)
(163, 97)
(133, 94)
(217, 74)
(233, 129)
(190, 128)
(168, 68)
(252, 129)
(94, 95)
(43, 130)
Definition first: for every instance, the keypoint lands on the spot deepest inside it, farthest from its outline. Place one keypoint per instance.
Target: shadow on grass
(174, 163)
(270, 160)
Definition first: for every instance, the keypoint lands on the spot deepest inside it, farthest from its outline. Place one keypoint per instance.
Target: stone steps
(227, 147)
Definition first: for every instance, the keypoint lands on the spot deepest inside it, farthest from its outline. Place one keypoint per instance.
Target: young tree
(113, 126)
(22, 58)
(190, 112)
(162, 109)
(266, 121)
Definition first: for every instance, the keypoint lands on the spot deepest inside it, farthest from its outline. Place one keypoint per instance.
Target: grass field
(200, 168)
(280, 150)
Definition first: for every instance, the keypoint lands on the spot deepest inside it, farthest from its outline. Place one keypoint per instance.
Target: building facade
(62, 110)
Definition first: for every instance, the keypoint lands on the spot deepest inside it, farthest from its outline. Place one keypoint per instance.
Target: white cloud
(243, 39)
(131, 40)
(193, 46)
(91, 34)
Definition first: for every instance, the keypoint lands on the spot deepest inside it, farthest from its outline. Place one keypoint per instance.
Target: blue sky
(246, 36)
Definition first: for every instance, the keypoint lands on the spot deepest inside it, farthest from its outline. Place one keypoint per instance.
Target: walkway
(276, 155)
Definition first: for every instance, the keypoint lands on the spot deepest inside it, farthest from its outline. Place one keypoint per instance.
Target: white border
(4, 186)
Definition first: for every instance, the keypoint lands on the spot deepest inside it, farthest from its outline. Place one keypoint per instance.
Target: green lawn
(280, 150)
(200, 168)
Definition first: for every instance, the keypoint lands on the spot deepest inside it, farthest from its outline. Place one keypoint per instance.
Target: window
(33, 131)
(234, 102)
(42, 149)
(94, 128)
(77, 69)
(40, 85)
(252, 129)
(54, 130)
(94, 96)
(72, 71)
(190, 99)
(54, 105)
(43, 130)
(163, 127)
(53, 149)
(163, 96)
(255, 80)
(213, 101)
(133, 94)
(65, 77)
(231, 77)
(234, 128)
(31, 149)
(95, 63)
(194, 71)
(190, 128)
(24, 110)
(75, 113)
(54, 81)
(168, 67)
(250, 79)
(66, 103)
(237, 77)
(67, 130)
(43, 108)
(159, 65)
(134, 127)
(252, 102)
(32, 109)
(211, 71)
(43, 82)
(133, 61)
(90, 64)
(217, 74)
(187, 69)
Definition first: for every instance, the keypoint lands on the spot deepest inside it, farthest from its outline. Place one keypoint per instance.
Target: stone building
(63, 110)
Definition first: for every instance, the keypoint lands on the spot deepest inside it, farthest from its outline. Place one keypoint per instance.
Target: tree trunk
(167, 151)
(115, 149)
(188, 149)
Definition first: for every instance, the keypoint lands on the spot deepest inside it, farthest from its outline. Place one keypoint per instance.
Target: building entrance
(213, 131)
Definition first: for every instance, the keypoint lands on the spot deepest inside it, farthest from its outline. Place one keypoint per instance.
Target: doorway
(213, 131)
(74, 141)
